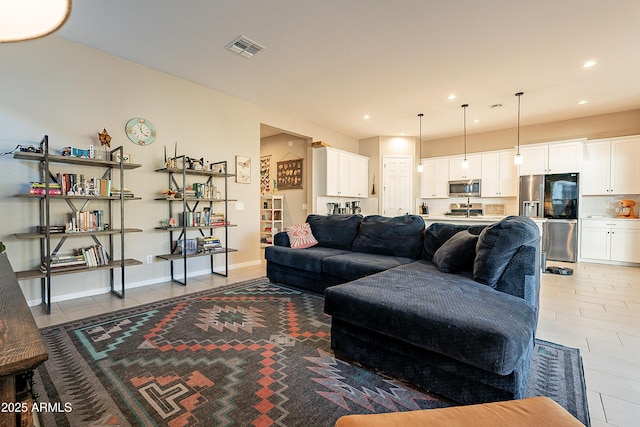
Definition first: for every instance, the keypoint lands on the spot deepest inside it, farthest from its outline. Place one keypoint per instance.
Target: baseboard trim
(138, 284)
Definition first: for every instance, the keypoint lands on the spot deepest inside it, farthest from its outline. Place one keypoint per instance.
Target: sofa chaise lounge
(452, 309)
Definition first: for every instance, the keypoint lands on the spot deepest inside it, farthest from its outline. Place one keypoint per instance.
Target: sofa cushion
(451, 315)
(300, 236)
(400, 236)
(309, 259)
(335, 231)
(437, 233)
(457, 253)
(354, 265)
(498, 243)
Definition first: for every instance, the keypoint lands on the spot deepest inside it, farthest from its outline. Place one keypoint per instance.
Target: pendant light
(518, 158)
(465, 162)
(31, 19)
(420, 166)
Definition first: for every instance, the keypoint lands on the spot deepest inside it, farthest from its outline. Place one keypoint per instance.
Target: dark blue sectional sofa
(452, 309)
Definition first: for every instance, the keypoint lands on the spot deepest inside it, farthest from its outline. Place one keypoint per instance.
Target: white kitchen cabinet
(434, 179)
(340, 173)
(358, 173)
(499, 174)
(552, 157)
(612, 239)
(474, 171)
(611, 166)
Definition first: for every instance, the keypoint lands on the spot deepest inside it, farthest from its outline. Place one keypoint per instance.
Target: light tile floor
(597, 310)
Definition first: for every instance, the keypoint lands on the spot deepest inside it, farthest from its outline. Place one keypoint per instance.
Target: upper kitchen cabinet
(434, 178)
(499, 174)
(611, 166)
(474, 171)
(553, 157)
(340, 173)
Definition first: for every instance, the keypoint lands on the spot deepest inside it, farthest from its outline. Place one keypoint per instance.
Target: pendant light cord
(420, 138)
(519, 94)
(464, 109)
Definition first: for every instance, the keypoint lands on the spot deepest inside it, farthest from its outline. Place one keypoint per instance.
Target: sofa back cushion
(438, 233)
(498, 243)
(335, 231)
(401, 236)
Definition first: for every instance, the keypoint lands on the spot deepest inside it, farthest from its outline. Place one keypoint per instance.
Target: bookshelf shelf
(113, 209)
(174, 257)
(197, 227)
(192, 220)
(67, 197)
(25, 236)
(37, 274)
(74, 160)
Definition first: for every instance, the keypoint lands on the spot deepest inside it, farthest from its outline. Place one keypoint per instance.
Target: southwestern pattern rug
(249, 354)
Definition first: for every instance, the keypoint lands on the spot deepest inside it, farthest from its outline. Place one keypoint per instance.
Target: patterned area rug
(249, 354)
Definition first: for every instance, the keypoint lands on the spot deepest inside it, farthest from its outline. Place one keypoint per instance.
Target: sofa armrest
(521, 278)
(281, 239)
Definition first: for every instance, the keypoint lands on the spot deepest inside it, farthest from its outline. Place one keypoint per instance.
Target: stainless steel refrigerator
(555, 198)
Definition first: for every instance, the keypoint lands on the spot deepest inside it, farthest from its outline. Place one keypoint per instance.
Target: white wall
(71, 92)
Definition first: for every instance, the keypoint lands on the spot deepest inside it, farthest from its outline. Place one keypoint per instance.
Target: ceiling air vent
(245, 47)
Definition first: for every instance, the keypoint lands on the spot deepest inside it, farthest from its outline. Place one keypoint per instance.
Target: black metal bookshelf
(178, 182)
(47, 237)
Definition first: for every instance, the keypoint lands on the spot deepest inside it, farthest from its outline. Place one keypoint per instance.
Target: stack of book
(115, 192)
(39, 188)
(190, 192)
(209, 244)
(217, 218)
(52, 229)
(64, 263)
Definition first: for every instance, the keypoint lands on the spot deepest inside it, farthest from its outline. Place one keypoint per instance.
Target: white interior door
(397, 182)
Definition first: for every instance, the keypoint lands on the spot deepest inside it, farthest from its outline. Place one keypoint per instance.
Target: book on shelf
(73, 184)
(95, 255)
(86, 221)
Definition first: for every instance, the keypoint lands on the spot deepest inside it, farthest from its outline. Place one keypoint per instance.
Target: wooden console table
(21, 346)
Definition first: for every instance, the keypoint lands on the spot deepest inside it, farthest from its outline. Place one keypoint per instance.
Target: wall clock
(140, 131)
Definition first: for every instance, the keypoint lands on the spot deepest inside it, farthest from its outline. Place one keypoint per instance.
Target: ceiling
(330, 62)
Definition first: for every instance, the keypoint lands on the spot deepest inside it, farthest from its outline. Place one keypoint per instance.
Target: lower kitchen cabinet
(612, 239)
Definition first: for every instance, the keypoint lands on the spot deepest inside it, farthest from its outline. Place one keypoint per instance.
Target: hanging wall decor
(265, 178)
(243, 169)
(289, 174)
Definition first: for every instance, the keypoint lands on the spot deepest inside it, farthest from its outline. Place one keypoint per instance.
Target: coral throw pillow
(300, 236)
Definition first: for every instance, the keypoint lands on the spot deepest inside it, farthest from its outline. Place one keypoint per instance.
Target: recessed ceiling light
(589, 64)
(476, 121)
(365, 116)
(582, 102)
(451, 97)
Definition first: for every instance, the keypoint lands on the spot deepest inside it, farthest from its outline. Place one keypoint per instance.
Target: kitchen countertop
(477, 218)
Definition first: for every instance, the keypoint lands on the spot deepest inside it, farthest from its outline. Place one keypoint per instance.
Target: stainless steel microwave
(464, 188)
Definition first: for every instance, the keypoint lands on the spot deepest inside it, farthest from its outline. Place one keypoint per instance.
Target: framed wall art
(243, 170)
(289, 174)
(265, 179)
